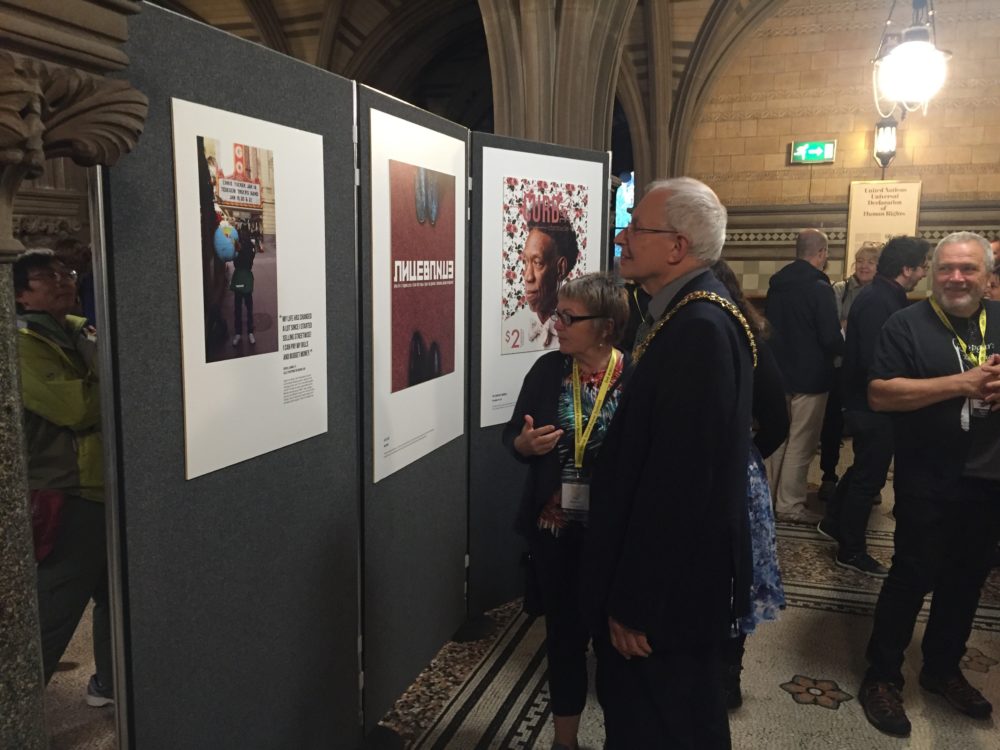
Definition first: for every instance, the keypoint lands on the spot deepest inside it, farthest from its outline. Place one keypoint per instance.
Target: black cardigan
(539, 397)
(770, 410)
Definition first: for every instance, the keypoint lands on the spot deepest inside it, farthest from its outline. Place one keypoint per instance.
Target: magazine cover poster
(251, 262)
(542, 224)
(422, 205)
(418, 254)
(543, 238)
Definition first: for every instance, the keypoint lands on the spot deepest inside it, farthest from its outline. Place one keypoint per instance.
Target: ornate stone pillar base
(54, 102)
(22, 720)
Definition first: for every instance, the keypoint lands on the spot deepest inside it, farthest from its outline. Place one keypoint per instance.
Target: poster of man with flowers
(543, 219)
(544, 237)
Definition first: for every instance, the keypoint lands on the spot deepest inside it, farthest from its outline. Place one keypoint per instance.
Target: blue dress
(766, 593)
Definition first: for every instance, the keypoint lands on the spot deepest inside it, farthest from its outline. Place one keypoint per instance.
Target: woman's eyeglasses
(568, 319)
(53, 274)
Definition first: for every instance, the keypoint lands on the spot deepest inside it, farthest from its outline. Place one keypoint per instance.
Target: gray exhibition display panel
(240, 586)
(414, 520)
(496, 479)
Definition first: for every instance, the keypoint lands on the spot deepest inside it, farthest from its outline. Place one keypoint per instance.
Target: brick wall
(806, 74)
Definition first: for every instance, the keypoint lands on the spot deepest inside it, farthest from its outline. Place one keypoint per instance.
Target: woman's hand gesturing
(536, 442)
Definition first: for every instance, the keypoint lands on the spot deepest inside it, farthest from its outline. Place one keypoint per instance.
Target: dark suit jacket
(668, 536)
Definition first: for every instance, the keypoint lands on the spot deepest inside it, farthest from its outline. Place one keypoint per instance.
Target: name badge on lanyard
(575, 496)
(979, 408)
(576, 493)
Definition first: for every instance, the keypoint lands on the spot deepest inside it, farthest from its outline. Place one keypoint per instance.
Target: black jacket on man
(802, 310)
(668, 534)
(873, 306)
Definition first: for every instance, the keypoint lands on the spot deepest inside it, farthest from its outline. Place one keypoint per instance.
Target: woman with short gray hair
(564, 408)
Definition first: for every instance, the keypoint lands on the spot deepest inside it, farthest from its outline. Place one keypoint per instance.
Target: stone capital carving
(49, 110)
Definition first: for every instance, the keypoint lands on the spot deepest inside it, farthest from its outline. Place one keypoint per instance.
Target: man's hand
(991, 388)
(532, 442)
(628, 642)
(980, 382)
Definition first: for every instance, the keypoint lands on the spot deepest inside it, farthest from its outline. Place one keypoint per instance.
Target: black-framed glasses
(568, 319)
(53, 274)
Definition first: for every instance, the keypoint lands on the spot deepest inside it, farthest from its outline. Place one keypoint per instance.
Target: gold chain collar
(722, 302)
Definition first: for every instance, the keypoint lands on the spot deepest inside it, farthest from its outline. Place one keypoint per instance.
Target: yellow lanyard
(961, 343)
(580, 436)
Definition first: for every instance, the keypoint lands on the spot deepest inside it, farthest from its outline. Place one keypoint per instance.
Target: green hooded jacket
(62, 417)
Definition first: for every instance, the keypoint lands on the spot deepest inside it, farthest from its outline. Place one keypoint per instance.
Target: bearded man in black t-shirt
(937, 370)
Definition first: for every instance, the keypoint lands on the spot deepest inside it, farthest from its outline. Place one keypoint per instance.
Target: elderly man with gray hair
(667, 557)
(937, 371)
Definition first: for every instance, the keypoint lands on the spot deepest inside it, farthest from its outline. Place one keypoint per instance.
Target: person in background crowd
(62, 428)
(993, 287)
(77, 256)
(902, 265)
(802, 311)
(562, 413)
(865, 268)
(993, 292)
(666, 563)
(832, 432)
(937, 371)
(770, 420)
(242, 285)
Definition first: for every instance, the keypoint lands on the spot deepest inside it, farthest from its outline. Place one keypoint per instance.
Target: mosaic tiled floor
(72, 724)
(800, 677)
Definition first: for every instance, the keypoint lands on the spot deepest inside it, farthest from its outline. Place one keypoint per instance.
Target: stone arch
(631, 99)
(726, 25)
(399, 47)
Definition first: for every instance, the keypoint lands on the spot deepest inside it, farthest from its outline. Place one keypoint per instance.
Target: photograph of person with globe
(238, 249)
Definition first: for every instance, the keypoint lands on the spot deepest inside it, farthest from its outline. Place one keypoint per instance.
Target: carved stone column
(555, 67)
(54, 101)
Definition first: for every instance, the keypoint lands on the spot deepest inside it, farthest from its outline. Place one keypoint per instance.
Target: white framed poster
(542, 218)
(418, 210)
(251, 249)
(879, 210)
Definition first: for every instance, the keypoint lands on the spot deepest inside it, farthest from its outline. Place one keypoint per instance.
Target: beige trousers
(788, 466)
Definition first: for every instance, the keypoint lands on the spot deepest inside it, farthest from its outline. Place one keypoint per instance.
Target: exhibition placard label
(878, 211)
(251, 256)
(418, 254)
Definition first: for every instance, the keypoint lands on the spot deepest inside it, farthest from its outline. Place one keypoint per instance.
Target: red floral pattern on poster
(519, 195)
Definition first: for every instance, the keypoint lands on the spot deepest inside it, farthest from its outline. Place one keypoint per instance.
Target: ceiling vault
(268, 24)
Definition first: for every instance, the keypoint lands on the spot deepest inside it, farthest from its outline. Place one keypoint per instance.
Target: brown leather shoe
(959, 693)
(883, 707)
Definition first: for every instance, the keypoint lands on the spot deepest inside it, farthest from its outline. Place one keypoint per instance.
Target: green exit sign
(813, 152)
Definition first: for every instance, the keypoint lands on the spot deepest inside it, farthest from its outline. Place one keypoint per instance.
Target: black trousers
(557, 568)
(240, 299)
(944, 546)
(671, 699)
(832, 432)
(848, 511)
(75, 572)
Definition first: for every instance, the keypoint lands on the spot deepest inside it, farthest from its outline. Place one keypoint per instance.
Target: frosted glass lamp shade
(911, 73)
